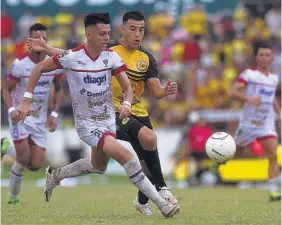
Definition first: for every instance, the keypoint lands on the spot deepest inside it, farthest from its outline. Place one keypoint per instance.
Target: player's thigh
(37, 145)
(270, 144)
(37, 156)
(99, 159)
(20, 138)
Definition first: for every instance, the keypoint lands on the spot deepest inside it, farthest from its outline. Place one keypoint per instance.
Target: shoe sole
(173, 212)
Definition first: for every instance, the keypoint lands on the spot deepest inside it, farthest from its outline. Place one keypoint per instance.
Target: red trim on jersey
(119, 70)
(109, 50)
(241, 80)
(12, 77)
(57, 62)
(22, 56)
(87, 53)
(266, 137)
(101, 142)
(90, 71)
(77, 48)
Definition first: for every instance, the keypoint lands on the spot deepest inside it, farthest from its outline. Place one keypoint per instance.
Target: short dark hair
(95, 18)
(36, 27)
(134, 15)
(259, 46)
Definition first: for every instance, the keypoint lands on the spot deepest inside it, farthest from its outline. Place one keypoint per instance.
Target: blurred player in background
(30, 136)
(142, 69)
(258, 120)
(89, 69)
(6, 147)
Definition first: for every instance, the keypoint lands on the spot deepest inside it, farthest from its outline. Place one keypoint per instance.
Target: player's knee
(148, 140)
(272, 156)
(33, 168)
(22, 160)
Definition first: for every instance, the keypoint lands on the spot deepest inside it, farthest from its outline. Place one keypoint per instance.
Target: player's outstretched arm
(237, 93)
(277, 108)
(160, 92)
(5, 94)
(40, 45)
(45, 66)
(52, 122)
(124, 108)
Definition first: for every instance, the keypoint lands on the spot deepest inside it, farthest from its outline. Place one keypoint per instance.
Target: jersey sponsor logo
(94, 80)
(141, 65)
(92, 104)
(81, 63)
(94, 94)
(103, 116)
(265, 92)
(43, 83)
(98, 133)
(40, 93)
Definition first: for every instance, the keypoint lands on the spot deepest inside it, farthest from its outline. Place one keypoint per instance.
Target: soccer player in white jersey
(88, 70)
(30, 136)
(258, 120)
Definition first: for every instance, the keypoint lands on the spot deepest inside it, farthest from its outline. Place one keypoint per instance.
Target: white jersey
(21, 71)
(263, 86)
(90, 85)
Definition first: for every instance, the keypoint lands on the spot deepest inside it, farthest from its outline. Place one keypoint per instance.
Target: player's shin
(77, 168)
(16, 176)
(138, 178)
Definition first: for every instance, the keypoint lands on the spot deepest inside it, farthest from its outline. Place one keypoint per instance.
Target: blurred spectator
(7, 26)
(273, 20)
(24, 23)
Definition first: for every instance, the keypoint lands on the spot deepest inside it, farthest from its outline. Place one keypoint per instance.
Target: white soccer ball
(220, 147)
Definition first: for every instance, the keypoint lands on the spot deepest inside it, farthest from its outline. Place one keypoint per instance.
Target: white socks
(77, 168)
(274, 184)
(16, 176)
(139, 179)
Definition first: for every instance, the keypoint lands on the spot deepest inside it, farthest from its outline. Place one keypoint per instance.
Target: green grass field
(112, 204)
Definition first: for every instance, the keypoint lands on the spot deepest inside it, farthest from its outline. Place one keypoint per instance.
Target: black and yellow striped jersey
(141, 66)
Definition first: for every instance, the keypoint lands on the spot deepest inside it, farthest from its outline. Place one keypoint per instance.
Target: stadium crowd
(203, 53)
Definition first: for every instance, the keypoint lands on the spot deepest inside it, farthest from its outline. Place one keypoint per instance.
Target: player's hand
(124, 111)
(254, 100)
(24, 108)
(170, 87)
(52, 123)
(36, 44)
(15, 117)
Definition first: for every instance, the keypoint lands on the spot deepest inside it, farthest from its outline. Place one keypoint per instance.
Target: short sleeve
(118, 65)
(62, 59)
(15, 72)
(244, 78)
(153, 71)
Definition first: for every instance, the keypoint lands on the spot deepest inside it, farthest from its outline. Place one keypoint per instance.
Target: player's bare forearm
(7, 99)
(156, 88)
(58, 95)
(236, 92)
(126, 86)
(43, 67)
(277, 108)
(50, 50)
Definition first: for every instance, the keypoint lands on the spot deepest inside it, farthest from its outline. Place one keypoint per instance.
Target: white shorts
(36, 131)
(245, 134)
(95, 135)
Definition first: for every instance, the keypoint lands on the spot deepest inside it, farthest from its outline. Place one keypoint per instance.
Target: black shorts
(127, 130)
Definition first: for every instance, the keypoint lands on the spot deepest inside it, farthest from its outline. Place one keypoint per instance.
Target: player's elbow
(232, 93)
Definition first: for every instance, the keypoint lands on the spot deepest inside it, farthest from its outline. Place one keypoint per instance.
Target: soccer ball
(220, 147)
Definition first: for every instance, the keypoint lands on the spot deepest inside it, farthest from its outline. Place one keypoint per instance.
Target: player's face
(99, 35)
(133, 32)
(42, 33)
(264, 57)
